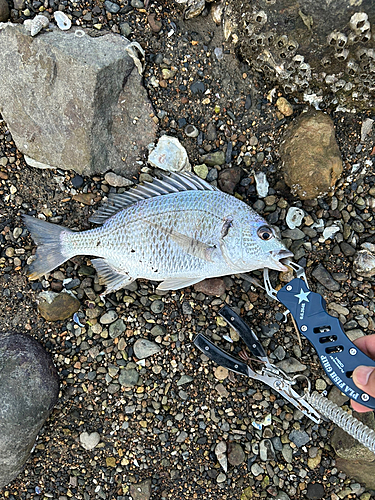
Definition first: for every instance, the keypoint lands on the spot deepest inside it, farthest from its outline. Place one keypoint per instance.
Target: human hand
(364, 376)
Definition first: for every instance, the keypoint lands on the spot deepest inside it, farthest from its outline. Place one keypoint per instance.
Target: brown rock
(236, 455)
(284, 106)
(57, 307)
(85, 198)
(229, 178)
(310, 156)
(361, 471)
(348, 448)
(211, 286)
(154, 24)
(4, 11)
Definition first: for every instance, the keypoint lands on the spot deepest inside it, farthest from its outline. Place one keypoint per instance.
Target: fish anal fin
(108, 276)
(177, 283)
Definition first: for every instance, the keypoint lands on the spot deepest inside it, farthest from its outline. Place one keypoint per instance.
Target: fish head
(262, 248)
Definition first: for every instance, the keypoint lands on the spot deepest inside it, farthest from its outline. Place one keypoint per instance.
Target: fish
(178, 230)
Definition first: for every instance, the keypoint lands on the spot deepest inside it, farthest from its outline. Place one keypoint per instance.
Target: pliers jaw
(267, 373)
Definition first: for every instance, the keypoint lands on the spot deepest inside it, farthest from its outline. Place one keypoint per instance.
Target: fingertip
(362, 374)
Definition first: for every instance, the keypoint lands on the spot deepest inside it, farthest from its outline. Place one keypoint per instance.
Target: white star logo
(302, 296)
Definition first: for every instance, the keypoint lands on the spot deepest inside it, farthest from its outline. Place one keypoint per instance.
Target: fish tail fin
(49, 252)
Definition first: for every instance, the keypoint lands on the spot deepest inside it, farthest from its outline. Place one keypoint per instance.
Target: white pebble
(262, 184)
(294, 217)
(330, 231)
(62, 20)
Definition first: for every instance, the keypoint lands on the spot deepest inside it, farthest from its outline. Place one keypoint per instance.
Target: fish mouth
(277, 257)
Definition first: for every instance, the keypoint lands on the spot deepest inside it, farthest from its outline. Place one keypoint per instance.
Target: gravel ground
(154, 424)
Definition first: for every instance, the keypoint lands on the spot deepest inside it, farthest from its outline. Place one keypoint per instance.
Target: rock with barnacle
(321, 50)
(28, 391)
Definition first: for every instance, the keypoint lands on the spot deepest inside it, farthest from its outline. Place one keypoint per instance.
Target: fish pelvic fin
(110, 277)
(49, 254)
(178, 283)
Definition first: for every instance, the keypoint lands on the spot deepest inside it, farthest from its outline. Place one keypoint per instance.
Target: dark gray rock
(299, 438)
(315, 491)
(321, 274)
(72, 101)
(29, 389)
(111, 7)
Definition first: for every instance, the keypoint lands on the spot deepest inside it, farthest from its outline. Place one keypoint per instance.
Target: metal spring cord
(347, 422)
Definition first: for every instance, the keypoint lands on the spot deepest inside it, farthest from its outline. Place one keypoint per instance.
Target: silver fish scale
(137, 241)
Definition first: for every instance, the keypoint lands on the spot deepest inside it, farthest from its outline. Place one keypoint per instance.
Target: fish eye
(265, 233)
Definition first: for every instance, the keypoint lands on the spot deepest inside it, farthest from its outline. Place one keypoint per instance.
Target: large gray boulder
(73, 101)
(28, 391)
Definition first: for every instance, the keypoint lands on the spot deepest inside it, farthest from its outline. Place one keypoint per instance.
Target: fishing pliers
(267, 373)
(337, 354)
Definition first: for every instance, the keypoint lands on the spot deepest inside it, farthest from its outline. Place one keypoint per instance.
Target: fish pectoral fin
(109, 277)
(194, 247)
(177, 283)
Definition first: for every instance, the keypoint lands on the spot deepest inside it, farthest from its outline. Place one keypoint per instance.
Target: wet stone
(197, 86)
(144, 348)
(158, 330)
(347, 249)
(109, 317)
(236, 455)
(157, 306)
(116, 328)
(315, 491)
(211, 286)
(293, 234)
(270, 330)
(212, 159)
(291, 365)
(201, 170)
(228, 179)
(29, 388)
(256, 470)
(321, 274)
(299, 438)
(211, 134)
(57, 306)
(128, 378)
(266, 451)
(89, 441)
(186, 308)
(141, 491)
(185, 379)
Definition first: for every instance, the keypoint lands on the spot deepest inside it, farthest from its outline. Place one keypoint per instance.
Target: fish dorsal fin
(159, 187)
